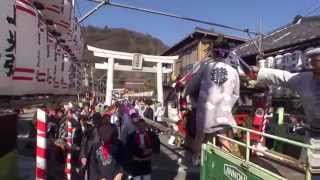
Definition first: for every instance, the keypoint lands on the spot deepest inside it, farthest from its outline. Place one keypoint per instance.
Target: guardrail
(306, 167)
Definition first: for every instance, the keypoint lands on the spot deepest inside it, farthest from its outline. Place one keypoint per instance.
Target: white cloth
(159, 113)
(173, 114)
(114, 118)
(305, 84)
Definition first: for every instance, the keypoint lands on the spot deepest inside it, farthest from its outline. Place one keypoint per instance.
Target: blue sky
(238, 13)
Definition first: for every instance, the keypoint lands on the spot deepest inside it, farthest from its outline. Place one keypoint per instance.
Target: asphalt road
(167, 165)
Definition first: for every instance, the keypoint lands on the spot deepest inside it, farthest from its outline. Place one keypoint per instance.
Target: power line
(170, 15)
(312, 10)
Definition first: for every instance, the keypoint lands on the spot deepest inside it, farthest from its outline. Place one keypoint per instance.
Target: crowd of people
(108, 142)
(115, 142)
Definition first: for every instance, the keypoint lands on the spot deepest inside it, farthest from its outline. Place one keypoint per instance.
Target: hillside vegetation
(120, 39)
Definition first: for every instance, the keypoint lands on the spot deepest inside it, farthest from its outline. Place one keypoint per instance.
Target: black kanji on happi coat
(219, 75)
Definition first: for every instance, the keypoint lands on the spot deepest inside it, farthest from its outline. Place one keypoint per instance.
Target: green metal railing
(307, 169)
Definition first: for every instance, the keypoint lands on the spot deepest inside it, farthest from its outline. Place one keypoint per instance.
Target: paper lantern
(307, 61)
(7, 48)
(270, 62)
(262, 63)
(51, 64)
(296, 63)
(41, 72)
(286, 61)
(279, 62)
(52, 9)
(66, 73)
(58, 71)
(68, 11)
(24, 77)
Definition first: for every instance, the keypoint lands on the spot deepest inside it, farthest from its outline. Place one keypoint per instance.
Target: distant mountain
(120, 39)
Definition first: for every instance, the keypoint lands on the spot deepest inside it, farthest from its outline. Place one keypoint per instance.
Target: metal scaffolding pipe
(101, 3)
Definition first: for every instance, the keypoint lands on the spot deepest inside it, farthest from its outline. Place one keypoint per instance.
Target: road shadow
(164, 168)
(167, 165)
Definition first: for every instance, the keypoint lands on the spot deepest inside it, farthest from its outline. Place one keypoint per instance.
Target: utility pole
(92, 80)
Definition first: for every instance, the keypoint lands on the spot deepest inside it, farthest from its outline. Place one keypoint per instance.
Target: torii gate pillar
(109, 86)
(159, 83)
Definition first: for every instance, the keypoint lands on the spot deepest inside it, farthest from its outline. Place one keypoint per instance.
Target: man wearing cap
(307, 85)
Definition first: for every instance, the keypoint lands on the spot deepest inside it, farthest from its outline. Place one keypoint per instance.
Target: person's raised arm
(277, 77)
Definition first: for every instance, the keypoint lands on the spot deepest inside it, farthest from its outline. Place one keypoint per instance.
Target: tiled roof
(199, 32)
(302, 30)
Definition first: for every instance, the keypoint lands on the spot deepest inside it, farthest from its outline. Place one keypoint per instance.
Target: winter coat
(142, 152)
(90, 138)
(98, 167)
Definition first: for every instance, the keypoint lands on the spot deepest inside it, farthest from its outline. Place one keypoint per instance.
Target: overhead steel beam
(101, 3)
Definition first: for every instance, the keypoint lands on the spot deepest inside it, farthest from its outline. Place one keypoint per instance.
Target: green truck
(217, 164)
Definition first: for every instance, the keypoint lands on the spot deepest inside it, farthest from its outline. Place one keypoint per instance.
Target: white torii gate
(137, 66)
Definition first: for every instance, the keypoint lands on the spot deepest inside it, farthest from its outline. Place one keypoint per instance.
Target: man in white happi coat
(219, 90)
(307, 85)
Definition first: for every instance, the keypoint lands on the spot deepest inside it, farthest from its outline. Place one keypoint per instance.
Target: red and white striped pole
(264, 124)
(69, 144)
(41, 145)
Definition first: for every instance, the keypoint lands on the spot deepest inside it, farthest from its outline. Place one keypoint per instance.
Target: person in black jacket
(142, 144)
(148, 112)
(107, 156)
(91, 137)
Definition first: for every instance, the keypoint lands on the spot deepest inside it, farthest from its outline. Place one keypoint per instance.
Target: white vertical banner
(8, 44)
